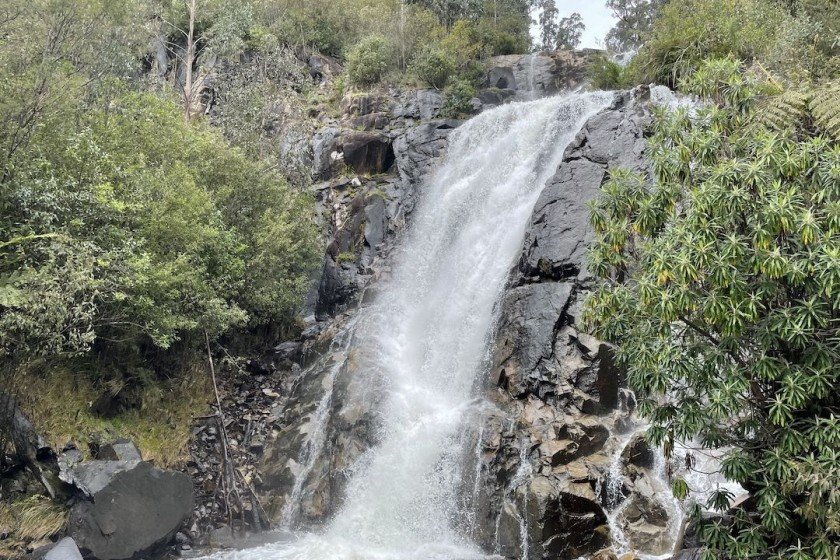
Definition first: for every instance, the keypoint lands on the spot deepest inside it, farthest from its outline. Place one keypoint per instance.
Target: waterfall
(426, 338)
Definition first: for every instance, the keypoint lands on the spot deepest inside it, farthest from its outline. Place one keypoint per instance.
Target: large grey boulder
(129, 507)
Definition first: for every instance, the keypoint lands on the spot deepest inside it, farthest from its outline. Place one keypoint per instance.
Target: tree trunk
(30, 449)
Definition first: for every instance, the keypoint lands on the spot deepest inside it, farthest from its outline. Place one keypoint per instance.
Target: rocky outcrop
(562, 394)
(537, 74)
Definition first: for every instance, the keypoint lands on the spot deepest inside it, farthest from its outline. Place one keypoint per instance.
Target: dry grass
(38, 518)
(160, 423)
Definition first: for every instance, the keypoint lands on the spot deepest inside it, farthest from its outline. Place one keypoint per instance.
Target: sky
(596, 16)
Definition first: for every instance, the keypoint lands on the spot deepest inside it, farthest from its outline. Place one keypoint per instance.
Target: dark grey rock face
(559, 387)
(559, 234)
(367, 153)
(131, 508)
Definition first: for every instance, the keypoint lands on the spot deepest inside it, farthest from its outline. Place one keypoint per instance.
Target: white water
(426, 339)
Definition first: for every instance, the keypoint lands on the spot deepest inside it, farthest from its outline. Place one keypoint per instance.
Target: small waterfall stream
(426, 339)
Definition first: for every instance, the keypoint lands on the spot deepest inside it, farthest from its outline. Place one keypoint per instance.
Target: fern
(789, 108)
(825, 108)
(784, 110)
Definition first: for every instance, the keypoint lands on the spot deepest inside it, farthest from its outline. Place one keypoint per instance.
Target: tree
(635, 21)
(569, 31)
(195, 34)
(549, 27)
(720, 286)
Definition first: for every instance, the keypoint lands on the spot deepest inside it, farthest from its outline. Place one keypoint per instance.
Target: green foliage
(720, 285)
(368, 61)
(818, 106)
(569, 31)
(635, 21)
(155, 229)
(457, 99)
(689, 31)
(434, 67)
(606, 74)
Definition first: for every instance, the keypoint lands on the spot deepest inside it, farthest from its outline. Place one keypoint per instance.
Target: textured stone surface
(132, 508)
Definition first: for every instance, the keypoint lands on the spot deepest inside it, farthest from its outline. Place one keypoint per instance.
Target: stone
(423, 104)
(368, 153)
(65, 549)
(120, 450)
(526, 331)
(322, 67)
(323, 147)
(129, 508)
(557, 239)
(639, 453)
(604, 554)
(222, 537)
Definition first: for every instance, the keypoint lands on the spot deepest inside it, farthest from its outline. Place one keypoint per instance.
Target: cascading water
(426, 338)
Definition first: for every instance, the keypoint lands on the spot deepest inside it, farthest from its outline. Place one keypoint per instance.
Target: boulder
(573, 526)
(323, 67)
(638, 453)
(119, 450)
(128, 508)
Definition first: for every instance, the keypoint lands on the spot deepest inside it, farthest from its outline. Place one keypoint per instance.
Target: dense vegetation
(720, 270)
(151, 198)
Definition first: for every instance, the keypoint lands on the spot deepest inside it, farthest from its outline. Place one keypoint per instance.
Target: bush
(689, 31)
(457, 99)
(434, 66)
(605, 74)
(368, 61)
(718, 284)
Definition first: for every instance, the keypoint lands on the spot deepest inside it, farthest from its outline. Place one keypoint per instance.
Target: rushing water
(427, 337)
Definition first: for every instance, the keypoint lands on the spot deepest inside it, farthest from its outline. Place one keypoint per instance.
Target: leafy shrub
(605, 74)
(434, 66)
(690, 31)
(719, 285)
(457, 99)
(368, 61)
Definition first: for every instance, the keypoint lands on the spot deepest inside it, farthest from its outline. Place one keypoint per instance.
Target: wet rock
(526, 331)
(573, 526)
(495, 96)
(287, 350)
(582, 438)
(417, 149)
(131, 508)
(605, 554)
(222, 537)
(639, 453)
(557, 239)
